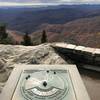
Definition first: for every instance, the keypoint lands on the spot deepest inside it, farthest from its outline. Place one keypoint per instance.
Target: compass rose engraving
(44, 85)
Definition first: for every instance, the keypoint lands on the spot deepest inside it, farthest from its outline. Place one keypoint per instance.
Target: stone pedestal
(44, 82)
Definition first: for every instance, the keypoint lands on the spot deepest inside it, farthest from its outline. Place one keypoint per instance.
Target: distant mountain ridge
(77, 24)
(29, 19)
(85, 31)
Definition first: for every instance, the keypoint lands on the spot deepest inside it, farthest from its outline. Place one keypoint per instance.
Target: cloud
(50, 1)
(32, 1)
(19, 1)
(83, 1)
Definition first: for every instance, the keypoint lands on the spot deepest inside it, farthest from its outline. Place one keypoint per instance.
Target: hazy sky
(49, 1)
(33, 2)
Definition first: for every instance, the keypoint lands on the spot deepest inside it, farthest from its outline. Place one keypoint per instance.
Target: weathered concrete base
(11, 87)
(79, 92)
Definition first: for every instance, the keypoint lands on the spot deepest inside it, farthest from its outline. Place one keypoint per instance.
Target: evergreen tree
(4, 38)
(26, 40)
(7, 40)
(44, 37)
(3, 34)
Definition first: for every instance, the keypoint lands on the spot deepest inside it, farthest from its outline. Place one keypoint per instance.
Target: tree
(4, 38)
(44, 37)
(27, 40)
(7, 40)
(3, 34)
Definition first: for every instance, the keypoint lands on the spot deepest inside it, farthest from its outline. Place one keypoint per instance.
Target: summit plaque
(44, 82)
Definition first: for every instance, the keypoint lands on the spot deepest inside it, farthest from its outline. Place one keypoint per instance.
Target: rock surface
(10, 55)
(42, 54)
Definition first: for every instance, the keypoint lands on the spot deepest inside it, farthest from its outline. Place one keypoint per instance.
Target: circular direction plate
(44, 85)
